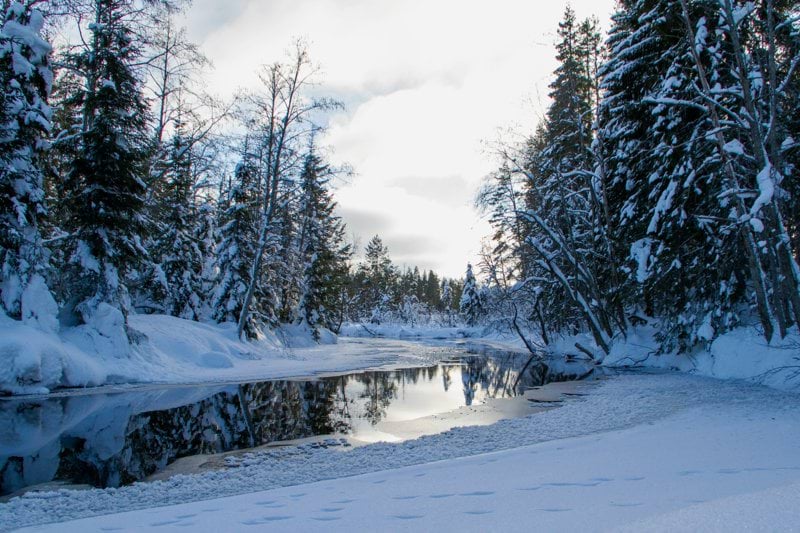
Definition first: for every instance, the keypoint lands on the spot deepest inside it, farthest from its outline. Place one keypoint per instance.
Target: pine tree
(433, 297)
(105, 186)
(470, 305)
(237, 247)
(447, 302)
(322, 249)
(26, 78)
(377, 278)
(178, 256)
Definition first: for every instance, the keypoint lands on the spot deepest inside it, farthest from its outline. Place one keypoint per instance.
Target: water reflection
(114, 439)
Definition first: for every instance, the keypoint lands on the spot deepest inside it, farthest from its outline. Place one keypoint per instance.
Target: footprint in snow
(331, 509)
(407, 516)
(625, 504)
(478, 512)
(602, 479)
(440, 496)
(326, 518)
(344, 501)
(405, 497)
(568, 484)
(478, 493)
(556, 509)
(264, 520)
(689, 472)
(537, 487)
(185, 516)
(298, 495)
(638, 478)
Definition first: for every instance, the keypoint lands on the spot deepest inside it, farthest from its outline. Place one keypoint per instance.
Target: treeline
(663, 182)
(120, 193)
(381, 292)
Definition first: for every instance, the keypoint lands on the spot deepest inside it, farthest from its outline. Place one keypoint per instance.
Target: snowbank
(171, 350)
(739, 354)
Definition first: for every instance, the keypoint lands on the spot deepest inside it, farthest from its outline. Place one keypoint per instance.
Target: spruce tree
(470, 305)
(237, 248)
(377, 277)
(322, 249)
(105, 183)
(177, 250)
(26, 80)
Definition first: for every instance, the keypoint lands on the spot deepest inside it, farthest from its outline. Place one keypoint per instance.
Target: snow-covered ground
(644, 451)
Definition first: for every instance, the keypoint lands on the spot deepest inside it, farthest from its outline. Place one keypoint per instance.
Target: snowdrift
(168, 350)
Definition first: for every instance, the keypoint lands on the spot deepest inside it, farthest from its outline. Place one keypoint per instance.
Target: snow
(738, 354)
(698, 454)
(175, 350)
(734, 147)
(766, 189)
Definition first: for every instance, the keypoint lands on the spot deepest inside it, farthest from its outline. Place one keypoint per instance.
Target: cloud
(425, 84)
(364, 222)
(449, 190)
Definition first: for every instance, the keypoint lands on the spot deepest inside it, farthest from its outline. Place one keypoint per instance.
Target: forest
(128, 189)
(661, 186)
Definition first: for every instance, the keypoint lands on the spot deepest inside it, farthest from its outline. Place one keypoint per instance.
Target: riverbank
(687, 438)
(176, 351)
(741, 353)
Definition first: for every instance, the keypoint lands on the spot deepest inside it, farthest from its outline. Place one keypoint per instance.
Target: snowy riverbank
(639, 451)
(739, 354)
(176, 351)
(170, 350)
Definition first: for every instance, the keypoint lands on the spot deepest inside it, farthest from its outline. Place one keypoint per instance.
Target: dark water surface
(111, 439)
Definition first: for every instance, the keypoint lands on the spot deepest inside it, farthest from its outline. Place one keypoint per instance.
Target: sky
(427, 85)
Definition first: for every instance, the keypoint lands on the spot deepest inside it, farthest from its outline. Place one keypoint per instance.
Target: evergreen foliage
(26, 81)
(471, 303)
(105, 186)
(660, 184)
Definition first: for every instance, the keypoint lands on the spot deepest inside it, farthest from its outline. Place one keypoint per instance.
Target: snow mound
(35, 358)
(742, 353)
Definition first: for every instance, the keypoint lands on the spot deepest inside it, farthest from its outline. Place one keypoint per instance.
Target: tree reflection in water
(113, 439)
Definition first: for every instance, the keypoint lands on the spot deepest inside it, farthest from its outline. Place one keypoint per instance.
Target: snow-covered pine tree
(557, 239)
(26, 80)
(470, 305)
(664, 173)
(376, 277)
(105, 184)
(237, 247)
(322, 249)
(205, 235)
(679, 171)
(177, 256)
(447, 302)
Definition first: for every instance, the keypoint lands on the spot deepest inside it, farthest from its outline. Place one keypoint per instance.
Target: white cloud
(426, 80)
